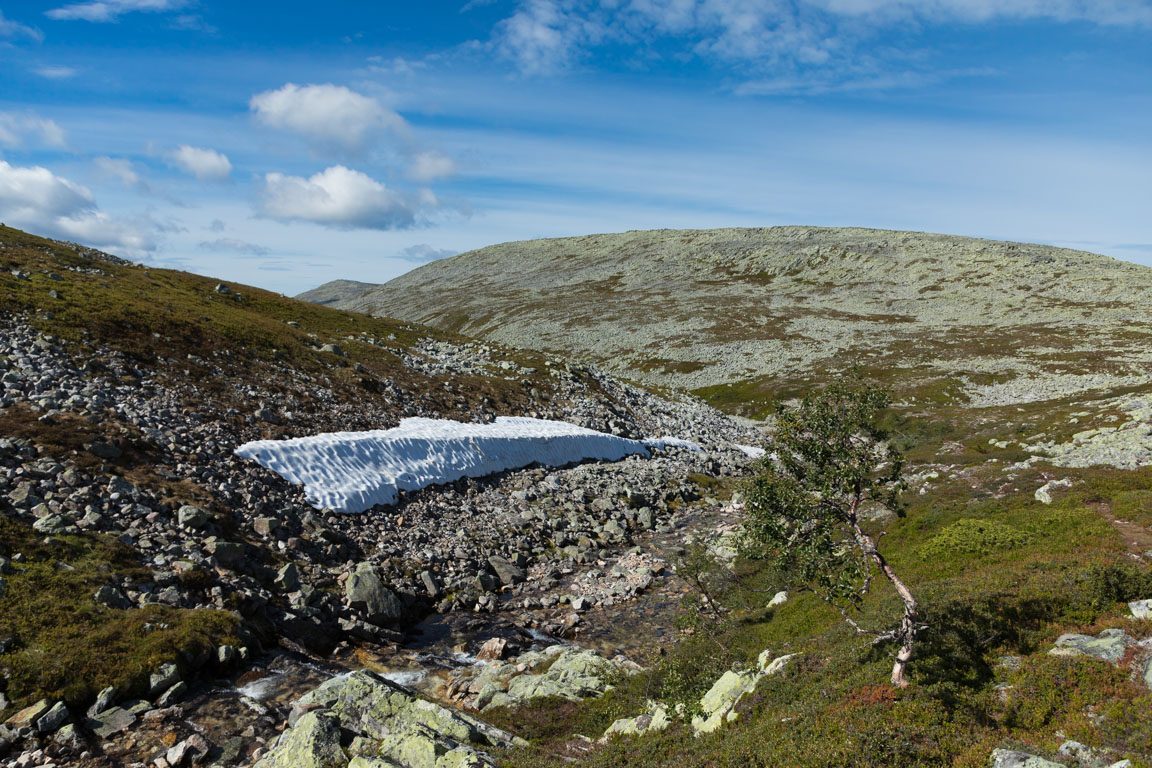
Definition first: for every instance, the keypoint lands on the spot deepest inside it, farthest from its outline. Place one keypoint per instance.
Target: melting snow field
(350, 472)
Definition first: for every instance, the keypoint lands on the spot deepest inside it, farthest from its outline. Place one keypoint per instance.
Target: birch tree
(827, 463)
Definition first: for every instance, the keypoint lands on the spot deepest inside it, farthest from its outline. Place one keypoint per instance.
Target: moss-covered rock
(392, 727)
(313, 742)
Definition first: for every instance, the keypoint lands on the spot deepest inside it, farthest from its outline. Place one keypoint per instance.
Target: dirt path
(1136, 537)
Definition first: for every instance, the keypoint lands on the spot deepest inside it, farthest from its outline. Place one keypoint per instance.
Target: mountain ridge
(758, 309)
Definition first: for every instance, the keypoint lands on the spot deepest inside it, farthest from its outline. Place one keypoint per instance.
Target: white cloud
(14, 29)
(232, 245)
(429, 166)
(20, 128)
(34, 198)
(111, 10)
(546, 35)
(341, 198)
(201, 162)
(330, 116)
(425, 252)
(56, 73)
(543, 36)
(1106, 12)
(121, 170)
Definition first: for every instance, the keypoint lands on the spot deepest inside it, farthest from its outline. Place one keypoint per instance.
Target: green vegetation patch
(65, 644)
(975, 537)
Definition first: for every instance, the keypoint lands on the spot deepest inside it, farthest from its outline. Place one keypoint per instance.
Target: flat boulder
(389, 726)
(1110, 645)
(110, 722)
(1011, 758)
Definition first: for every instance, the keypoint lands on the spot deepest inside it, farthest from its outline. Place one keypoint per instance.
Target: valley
(167, 602)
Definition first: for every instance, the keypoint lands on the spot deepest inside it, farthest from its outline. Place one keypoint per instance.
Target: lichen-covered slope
(740, 313)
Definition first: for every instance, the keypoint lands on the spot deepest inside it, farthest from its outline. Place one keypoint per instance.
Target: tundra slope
(136, 549)
(738, 314)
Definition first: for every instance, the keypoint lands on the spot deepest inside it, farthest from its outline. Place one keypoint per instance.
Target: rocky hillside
(140, 559)
(167, 603)
(743, 316)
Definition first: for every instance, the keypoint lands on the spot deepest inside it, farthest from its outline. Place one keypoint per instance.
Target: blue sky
(286, 144)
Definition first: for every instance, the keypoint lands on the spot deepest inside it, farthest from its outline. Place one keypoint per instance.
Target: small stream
(250, 710)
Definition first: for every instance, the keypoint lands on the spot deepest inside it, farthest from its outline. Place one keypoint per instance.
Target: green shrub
(1119, 583)
(973, 537)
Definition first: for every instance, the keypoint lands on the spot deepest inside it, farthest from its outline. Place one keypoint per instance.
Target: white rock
(1043, 493)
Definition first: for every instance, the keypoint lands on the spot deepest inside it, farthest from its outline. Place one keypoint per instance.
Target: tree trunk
(908, 625)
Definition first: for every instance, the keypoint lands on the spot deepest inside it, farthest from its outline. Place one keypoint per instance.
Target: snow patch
(350, 472)
(751, 451)
(666, 442)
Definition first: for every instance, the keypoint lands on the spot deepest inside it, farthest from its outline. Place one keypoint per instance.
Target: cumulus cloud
(425, 252)
(14, 29)
(329, 116)
(201, 162)
(429, 166)
(18, 129)
(111, 10)
(232, 245)
(342, 198)
(34, 198)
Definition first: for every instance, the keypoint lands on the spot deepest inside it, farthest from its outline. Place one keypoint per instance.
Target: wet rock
(1110, 645)
(367, 594)
(231, 750)
(508, 573)
(493, 649)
